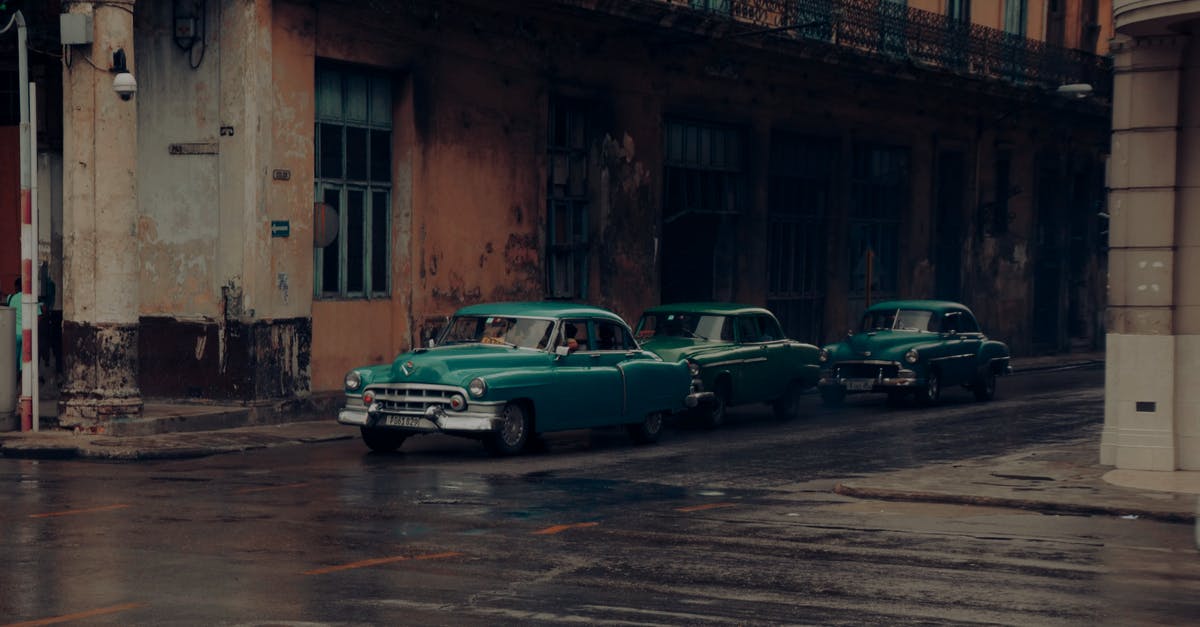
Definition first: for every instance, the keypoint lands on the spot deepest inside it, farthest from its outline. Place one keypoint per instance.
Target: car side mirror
(562, 351)
(432, 343)
(850, 333)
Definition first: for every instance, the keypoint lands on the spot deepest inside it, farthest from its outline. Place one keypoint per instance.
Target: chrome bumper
(480, 418)
(905, 379)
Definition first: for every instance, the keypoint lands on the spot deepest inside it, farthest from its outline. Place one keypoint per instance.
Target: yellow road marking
(72, 512)
(378, 561)
(700, 508)
(561, 528)
(271, 487)
(78, 615)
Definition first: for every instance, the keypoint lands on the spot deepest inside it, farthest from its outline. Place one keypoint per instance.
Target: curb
(1065, 365)
(1048, 507)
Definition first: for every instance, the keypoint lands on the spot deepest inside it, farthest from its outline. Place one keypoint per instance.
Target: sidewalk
(1058, 479)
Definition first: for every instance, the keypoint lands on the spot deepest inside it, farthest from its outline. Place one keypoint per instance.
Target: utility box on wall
(75, 28)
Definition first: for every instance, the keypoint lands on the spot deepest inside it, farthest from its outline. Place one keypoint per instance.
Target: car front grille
(413, 399)
(866, 370)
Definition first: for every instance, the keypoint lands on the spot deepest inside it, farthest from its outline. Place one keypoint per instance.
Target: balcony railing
(891, 30)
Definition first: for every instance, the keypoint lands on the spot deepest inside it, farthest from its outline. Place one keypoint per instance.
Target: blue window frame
(353, 169)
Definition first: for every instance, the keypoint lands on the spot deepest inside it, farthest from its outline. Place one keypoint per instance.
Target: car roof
(723, 309)
(545, 309)
(925, 304)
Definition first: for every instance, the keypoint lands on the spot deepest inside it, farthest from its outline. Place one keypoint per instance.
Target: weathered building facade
(806, 155)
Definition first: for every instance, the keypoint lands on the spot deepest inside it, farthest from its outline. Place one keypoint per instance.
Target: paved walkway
(1063, 478)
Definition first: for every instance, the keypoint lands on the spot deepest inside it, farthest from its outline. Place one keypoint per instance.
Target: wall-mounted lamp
(123, 83)
(1074, 90)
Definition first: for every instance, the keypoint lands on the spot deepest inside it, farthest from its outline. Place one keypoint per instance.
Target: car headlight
(693, 368)
(353, 380)
(477, 387)
(911, 356)
(823, 356)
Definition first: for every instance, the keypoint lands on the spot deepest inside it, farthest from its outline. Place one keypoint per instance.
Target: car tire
(382, 440)
(985, 386)
(713, 414)
(932, 391)
(833, 396)
(648, 430)
(515, 431)
(787, 406)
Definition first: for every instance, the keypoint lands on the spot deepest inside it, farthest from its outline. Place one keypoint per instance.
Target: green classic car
(737, 354)
(505, 372)
(913, 347)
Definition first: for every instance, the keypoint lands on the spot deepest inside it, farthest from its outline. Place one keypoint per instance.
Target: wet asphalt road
(737, 526)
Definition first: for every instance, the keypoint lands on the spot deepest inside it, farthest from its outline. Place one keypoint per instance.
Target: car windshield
(507, 330)
(699, 326)
(896, 320)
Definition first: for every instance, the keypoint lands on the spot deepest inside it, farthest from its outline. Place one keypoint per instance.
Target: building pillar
(1144, 320)
(100, 264)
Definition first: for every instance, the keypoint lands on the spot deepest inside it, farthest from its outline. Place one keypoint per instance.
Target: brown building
(808, 155)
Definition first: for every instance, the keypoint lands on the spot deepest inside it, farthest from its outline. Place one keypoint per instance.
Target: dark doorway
(1048, 255)
(800, 189)
(702, 199)
(948, 224)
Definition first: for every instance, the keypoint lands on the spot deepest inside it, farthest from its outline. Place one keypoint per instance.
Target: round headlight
(823, 356)
(693, 368)
(457, 402)
(353, 380)
(477, 387)
(911, 356)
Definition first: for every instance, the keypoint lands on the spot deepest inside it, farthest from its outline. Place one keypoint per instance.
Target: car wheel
(985, 386)
(648, 430)
(713, 415)
(514, 433)
(833, 396)
(382, 440)
(933, 388)
(788, 405)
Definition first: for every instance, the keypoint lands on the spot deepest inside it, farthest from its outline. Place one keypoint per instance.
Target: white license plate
(412, 422)
(859, 385)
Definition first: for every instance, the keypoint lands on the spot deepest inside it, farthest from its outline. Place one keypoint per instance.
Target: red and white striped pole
(28, 236)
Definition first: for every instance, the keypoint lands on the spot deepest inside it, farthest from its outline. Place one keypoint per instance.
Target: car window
(768, 329)
(949, 323)
(574, 335)
(967, 323)
(747, 328)
(509, 330)
(912, 320)
(611, 336)
(676, 324)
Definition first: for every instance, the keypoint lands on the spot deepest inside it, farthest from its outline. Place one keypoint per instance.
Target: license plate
(412, 422)
(859, 385)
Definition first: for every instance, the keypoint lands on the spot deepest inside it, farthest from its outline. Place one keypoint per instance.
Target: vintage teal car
(505, 372)
(913, 347)
(738, 354)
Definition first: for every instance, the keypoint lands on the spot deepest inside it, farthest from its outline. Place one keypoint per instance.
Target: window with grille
(799, 192)
(879, 198)
(703, 169)
(567, 200)
(1015, 12)
(354, 175)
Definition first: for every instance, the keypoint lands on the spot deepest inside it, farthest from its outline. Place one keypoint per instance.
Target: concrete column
(1141, 391)
(100, 269)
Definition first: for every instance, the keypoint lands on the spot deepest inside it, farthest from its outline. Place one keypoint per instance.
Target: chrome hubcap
(514, 426)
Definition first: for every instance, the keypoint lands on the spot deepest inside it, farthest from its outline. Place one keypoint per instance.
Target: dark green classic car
(913, 347)
(505, 372)
(737, 354)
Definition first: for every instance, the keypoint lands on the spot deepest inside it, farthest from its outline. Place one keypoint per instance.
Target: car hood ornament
(408, 368)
